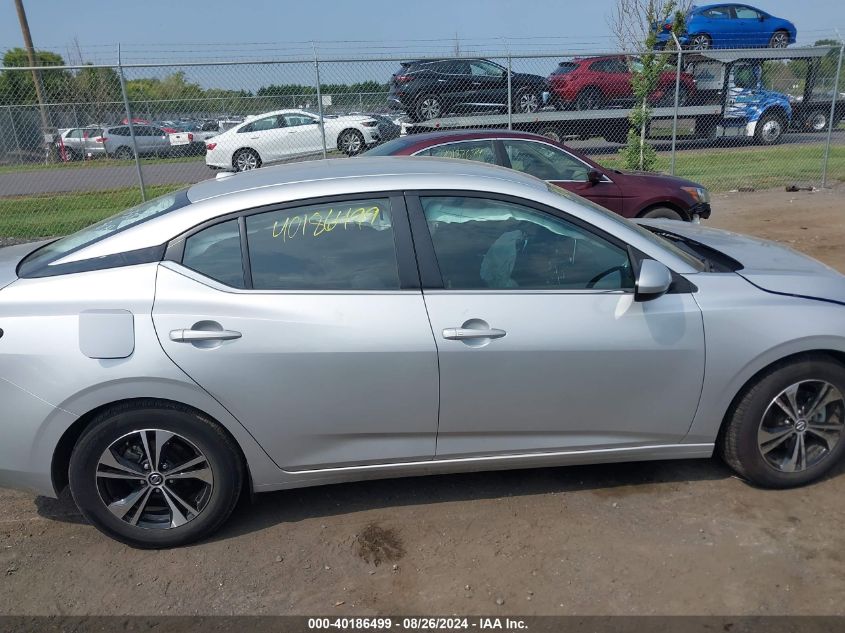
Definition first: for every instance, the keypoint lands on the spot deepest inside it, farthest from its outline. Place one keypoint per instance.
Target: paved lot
(648, 538)
(72, 178)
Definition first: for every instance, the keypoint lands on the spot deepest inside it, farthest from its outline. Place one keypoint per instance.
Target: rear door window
(333, 246)
(481, 151)
(216, 253)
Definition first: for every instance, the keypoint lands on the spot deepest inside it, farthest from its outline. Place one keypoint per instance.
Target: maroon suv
(632, 195)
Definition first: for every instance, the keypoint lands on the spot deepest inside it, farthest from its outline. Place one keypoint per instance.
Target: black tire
(428, 107)
(246, 160)
(71, 155)
(526, 101)
(222, 457)
(351, 142)
(770, 128)
(738, 442)
(779, 39)
(589, 99)
(700, 42)
(662, 212)
(123, 153)
(551, 132)
(816, 120)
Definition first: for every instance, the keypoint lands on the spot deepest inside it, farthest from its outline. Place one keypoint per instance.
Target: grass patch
(95, 164)
(757, 167)
(48, 215)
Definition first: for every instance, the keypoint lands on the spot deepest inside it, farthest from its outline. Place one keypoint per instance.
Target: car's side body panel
(51, 382)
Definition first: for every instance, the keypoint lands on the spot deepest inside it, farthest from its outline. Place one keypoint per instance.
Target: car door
(268, 137)
(750, 28)
(489, 82)
(453, 83)
(303, 134)
(318, 341)
(718, 23)
(541, 345)
(562, 169)
(614, 78)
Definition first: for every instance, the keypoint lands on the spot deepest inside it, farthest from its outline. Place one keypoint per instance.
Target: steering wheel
(620, 269)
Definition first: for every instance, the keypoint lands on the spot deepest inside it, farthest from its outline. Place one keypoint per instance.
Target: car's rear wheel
(246, 160)
(123, 153)
(780, 39)
(351, 142)
(551, 132)
(816, 121)
(786, 428)
(662, 212)
(428, 107)
(700, 42)
(155, 475)
(589, 99)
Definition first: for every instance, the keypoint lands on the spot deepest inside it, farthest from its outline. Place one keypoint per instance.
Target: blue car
(731, 26)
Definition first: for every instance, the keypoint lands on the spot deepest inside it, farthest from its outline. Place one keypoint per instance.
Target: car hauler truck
(731, 100)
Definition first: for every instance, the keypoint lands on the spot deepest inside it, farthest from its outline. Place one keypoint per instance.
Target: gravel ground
(649, 538)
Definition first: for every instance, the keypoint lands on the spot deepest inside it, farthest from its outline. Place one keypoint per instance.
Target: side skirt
(304, 478)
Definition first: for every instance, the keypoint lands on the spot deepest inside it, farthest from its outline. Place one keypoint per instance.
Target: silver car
(149, 139)
(341, 320)
(80, 142)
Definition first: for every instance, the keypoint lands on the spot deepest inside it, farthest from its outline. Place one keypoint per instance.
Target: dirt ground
(647, 538)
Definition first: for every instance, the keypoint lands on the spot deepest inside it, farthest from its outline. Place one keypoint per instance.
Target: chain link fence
(109, 136)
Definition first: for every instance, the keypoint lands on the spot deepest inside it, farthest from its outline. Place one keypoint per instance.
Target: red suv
(595, 82)
(640, 195)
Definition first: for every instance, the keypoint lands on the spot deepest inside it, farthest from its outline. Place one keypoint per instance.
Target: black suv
(428, 89)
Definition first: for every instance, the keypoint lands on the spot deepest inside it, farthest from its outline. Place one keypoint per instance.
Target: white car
(283, 134)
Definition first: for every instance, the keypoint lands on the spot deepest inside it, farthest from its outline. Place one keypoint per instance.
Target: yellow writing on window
(319, 223)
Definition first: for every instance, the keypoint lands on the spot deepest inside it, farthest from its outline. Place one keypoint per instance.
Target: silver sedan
(383, 317)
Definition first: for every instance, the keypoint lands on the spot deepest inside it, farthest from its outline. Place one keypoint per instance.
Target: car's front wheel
(780, 39)
(528, 102)
(155, 475)
(786, 428)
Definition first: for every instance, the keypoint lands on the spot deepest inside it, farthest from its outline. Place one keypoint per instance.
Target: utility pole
(36, 75)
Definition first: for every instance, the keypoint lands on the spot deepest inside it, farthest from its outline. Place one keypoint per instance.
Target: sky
(186, 29)
(194, 30)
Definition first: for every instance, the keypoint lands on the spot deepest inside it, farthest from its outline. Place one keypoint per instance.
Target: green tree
(19, 86)
(645, 76)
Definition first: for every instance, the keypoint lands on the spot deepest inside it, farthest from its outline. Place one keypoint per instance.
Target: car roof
(371, 170)
(427, 139)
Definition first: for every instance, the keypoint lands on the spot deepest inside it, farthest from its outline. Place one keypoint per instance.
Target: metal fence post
(14, 131)
(319, 99)
(677, 105)
(510, 95)
(832, 114)
(131, 127)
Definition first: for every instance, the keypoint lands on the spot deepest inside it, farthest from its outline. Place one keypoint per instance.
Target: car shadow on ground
(290, 506)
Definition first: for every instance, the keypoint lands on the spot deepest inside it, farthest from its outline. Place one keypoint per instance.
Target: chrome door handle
(190, 336)
(462, 334)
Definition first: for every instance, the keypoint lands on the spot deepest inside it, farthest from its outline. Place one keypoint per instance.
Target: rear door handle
(191, 336)
(462, 334)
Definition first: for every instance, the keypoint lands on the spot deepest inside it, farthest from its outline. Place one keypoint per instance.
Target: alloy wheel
(246, 161)
(779, 40)
(801, 426)
(429, 108)
(350, 143)
(700, 43)
(154, 479)
(528, 102)
(817, 121)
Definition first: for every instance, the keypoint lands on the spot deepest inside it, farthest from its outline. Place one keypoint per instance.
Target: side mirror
(653, 280)
(594, 177)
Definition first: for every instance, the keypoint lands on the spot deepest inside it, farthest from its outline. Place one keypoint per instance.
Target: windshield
(54, 251)
(663, 243)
